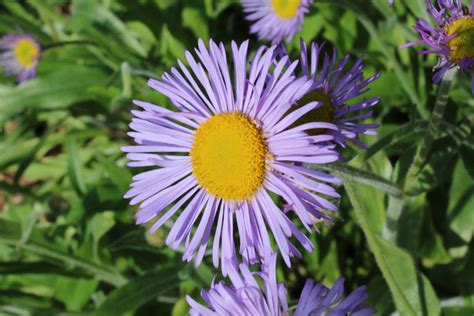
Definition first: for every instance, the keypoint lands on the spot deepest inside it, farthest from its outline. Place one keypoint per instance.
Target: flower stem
(432, 131)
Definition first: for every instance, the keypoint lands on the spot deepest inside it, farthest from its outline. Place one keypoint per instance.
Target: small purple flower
(452, 38)
(276, 20)
(19, 55)
(246, 297)
(225, 152)
(335, 85)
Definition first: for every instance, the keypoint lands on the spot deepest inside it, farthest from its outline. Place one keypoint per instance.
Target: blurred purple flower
(246, 297)
(224, 150)
(19, 55)
(276, 20)
(452, 38)
(336, 85)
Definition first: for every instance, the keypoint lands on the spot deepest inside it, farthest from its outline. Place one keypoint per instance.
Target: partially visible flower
(336, 85)
(225, 152)
(276, 20)
(316, 299)
(246, 297)
(19, 55)
(452, 37)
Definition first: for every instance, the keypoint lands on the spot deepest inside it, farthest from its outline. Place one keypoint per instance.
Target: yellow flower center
(323, 113)
(461, 45)
(26, 53)
(228, 156)
(286, 9)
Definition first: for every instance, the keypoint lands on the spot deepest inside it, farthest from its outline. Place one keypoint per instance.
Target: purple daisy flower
(276, 20)
(19, 55)
(452, 38)
(335, 85)
(246, 297)
(225, 151)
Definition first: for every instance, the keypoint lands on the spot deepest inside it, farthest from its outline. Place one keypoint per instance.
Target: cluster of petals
(246, 296)
(341, 84)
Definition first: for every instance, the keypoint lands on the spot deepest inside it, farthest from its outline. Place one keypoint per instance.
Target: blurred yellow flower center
(323, 113)
(228, 156)
(26, 53)
(286, 9)
(462, 45)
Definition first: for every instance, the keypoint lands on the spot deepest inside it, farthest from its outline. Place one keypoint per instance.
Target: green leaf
(74, 293)
(397, 268)
(75, 170)
(193, 18)
(120, 176)
(10, 234)
(140, 291)
(461, 203)
(59, 89)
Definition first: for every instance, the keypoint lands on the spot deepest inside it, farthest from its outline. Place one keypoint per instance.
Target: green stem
(349, 173)
(400, 299)
(432, 131)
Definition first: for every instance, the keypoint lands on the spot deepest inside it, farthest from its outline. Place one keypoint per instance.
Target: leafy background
(68, 244)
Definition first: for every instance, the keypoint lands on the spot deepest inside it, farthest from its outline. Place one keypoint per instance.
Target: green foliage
(68, 242)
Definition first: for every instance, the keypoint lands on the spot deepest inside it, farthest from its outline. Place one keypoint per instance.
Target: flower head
(226, 152)
(452, 37)
(276, 20)
(19, 55)
(335, 85)
(246, 297)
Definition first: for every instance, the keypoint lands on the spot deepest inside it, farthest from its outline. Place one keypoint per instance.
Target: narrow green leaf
(75, 169)
(120, 176)
(194, 19)
(55, 90)
(10, 234)
(139, 291)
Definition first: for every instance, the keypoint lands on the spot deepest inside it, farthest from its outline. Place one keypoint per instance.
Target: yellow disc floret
(286, 9)
(26, 53)
(462, 44)
(323, 113)
(228, 156)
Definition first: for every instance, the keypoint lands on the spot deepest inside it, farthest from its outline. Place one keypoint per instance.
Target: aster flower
(335, 85)
(276, 20)
(246, 297)
(19, 55)
(452, 37)
(224, 153)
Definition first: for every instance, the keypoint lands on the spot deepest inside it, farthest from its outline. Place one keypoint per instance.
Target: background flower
(276, 20)
(452, 37)
(337, 86)
(19, 56)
